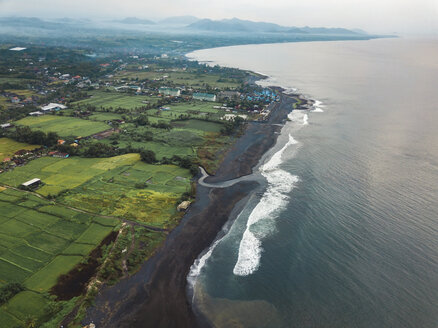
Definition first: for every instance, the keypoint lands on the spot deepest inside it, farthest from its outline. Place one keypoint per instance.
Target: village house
(52, 106)
(15, 100)
(31, 184)
(58, 154)
(36, 113)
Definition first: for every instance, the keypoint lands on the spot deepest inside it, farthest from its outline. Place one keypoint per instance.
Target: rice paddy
(39, 242)
(64, 126)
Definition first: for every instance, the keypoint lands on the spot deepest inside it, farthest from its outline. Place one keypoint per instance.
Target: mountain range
(177, 25)
(244, 26)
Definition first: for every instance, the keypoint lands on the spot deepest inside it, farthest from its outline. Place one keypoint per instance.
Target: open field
(196, 109)
(22, 93)
(36, 247)
(4, 102)
(198, 125)
(160, 149)
(114, 99)
(12, 79)
(182, 78)
(8, 147)
(104, 116)
(64, 126)
(119, 186)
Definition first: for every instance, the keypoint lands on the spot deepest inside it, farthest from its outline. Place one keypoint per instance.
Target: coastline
(156, 296)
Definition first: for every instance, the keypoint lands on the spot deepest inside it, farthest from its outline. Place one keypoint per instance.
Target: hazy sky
(378, 16)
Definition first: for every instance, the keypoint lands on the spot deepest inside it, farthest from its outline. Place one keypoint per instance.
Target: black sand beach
(156, 295)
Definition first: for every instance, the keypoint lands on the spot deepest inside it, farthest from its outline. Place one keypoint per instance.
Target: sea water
(343, 231)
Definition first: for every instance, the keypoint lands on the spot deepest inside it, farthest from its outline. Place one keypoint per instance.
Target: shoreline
(156, 296)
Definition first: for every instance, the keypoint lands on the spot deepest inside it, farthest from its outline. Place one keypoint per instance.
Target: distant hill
(244, 26)
(331, 31)
(28, 22)
(179, 20)
(135, 20)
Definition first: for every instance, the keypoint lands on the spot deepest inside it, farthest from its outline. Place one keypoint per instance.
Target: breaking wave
(299, 116)
(317, 107)
(260, 222)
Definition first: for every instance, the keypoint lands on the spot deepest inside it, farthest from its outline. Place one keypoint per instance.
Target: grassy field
(103, 116)
(64, 126)
(181, 78)
(8, 147)
(39, 242)
(198, 125)
(23, 93)
(4, 102)
(114, 99)
(196, 109)
(118, 186)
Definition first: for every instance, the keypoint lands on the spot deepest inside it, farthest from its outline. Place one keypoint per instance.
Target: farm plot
(114, 99)
(182, 78)
(142, 192)
(63, 125)
(8, 147)
(196, 109)
(61, 174)
(121, 186)
(104, 116)
(36, 242)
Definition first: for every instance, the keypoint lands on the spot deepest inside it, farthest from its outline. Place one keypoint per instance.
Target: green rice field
(182, 78)
(8, 147)
(39, 242)
(115, 99)
(64, 126)
(108, 186)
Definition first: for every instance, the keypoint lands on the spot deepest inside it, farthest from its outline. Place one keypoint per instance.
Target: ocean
(343, 230)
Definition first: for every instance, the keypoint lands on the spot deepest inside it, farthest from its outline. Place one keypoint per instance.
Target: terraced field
(64, 126)
(39, 242)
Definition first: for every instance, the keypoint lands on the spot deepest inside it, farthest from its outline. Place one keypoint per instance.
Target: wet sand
(156, 296)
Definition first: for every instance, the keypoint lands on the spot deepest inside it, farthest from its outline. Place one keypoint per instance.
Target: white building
(52, 106)
(36, 113)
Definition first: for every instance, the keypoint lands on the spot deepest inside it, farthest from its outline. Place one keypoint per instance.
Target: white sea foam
(199, 263)
(305, 119)
(318, 107)
(299, 116)
(260, 222)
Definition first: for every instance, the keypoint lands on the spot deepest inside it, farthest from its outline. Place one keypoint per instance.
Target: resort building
(170, 91)
(229, 95)
(204, 96)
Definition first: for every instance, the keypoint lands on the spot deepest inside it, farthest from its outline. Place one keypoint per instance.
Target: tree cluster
(9, 290)
(25, 134)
